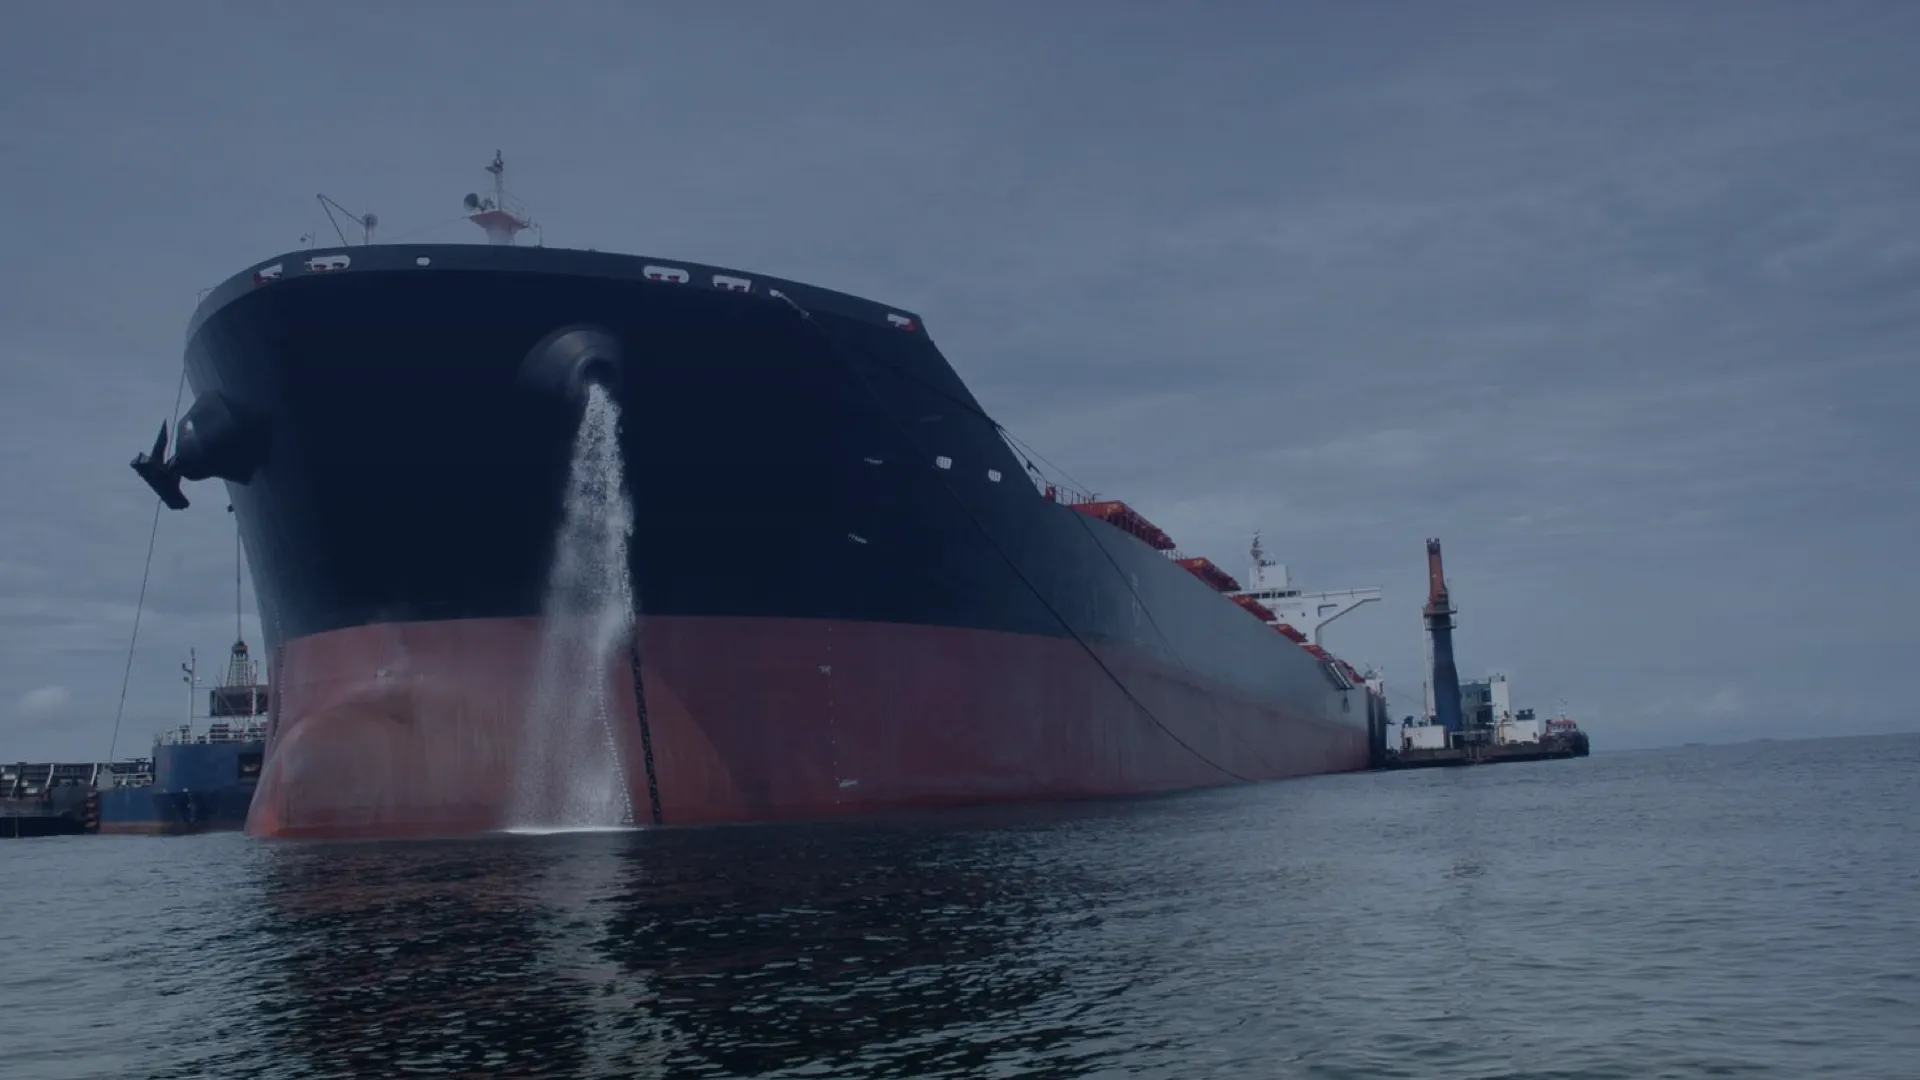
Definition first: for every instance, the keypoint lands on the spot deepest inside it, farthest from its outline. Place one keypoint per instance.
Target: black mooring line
(646, 732)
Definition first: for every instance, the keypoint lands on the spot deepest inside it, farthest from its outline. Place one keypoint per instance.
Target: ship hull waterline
(752, 719)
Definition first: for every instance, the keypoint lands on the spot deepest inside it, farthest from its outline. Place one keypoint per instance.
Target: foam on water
(571, 778)
(562, 830)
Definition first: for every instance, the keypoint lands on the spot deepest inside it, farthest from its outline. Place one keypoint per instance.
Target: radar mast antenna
(500, 214)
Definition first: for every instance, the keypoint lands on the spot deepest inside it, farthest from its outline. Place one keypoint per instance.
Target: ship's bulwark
(422, 728)
(851, 595)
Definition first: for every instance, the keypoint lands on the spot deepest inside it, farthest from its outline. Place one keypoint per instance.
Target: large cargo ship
(850, 588)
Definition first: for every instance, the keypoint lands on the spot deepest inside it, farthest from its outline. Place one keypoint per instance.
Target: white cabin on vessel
(1487, 705)
(1423, 737)
(1307, 612)
(1524, 727)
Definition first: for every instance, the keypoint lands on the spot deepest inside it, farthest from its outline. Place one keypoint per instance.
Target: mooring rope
(153, 534)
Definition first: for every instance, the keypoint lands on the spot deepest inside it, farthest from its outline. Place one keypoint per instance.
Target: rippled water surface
(1730, 911)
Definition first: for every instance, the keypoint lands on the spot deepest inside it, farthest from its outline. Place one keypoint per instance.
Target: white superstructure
(1306, 612)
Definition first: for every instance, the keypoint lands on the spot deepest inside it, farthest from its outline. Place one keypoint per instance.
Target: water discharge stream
(570, 774)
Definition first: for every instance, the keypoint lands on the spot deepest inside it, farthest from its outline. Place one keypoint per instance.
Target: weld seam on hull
(646, 732)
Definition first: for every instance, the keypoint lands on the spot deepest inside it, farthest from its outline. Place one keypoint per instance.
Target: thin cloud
(43, 702)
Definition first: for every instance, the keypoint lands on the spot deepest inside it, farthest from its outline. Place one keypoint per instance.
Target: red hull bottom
(421, 729)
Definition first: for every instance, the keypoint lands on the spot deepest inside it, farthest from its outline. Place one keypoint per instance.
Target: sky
(1621, 302)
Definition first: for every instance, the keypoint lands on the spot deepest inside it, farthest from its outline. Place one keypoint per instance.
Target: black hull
(779, 465)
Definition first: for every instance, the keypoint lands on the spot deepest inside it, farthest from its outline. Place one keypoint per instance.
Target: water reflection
(909, 949)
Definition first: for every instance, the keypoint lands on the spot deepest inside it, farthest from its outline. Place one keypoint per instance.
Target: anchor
(214, 439)
(161, 475)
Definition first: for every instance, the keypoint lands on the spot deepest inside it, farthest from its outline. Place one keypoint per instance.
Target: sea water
(1729, 911)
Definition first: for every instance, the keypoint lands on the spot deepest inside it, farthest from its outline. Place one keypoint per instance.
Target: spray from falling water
(570, 771)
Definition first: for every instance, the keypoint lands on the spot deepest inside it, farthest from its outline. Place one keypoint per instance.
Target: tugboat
(1562, 730)
(197, 780)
